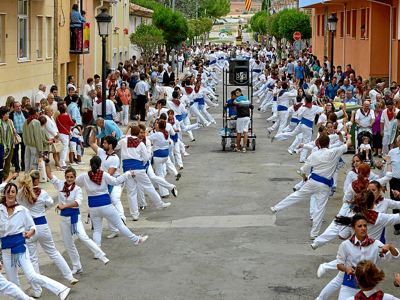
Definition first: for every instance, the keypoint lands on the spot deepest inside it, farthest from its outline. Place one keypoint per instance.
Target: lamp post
(332, 21)
(104, 23)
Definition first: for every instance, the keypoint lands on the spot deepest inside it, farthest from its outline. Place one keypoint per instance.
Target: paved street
(218, 240)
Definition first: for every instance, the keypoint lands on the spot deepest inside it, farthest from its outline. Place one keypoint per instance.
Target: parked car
(219, 21)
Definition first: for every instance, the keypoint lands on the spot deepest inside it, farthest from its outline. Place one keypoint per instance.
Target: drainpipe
(390, 35)
(95, 36)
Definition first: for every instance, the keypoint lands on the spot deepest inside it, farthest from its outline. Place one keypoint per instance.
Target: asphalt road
(218, 240)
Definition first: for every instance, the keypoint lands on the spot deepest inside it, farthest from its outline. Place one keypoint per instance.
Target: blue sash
(275, 98)
(132, 164)
(184, 116)
(328, 182)
(100, 200)
(40, 220)
(295, 120)
(271, 85)
(15, 242)
(200, 101)
(75, 140)
(350, 281)
(174, 138)
(110, 188)
(213, 62)
(382, 238)
(179, 117)
(73, 213)
(161, 152)
(281, 108)
(307, 122)
(109, 117)
(257, 71)
(221, 58)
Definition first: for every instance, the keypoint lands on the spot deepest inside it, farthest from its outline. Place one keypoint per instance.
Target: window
(341, 24)
(23, 29)
(2, 38)
(348, 22)
(363, 25)
(354, 24)
(367, 23)
(49, 37)
(39, 37)
(394, 22)
(323, 25)
(318, 25)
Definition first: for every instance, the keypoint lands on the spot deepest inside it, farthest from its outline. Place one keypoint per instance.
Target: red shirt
(64, 123)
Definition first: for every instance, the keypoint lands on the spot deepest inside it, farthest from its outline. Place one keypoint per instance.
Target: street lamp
(104, 23)
(332, 21)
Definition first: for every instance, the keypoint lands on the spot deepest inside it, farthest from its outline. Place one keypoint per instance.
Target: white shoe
(77, 271)
(34, 294)
(135, 217)
(74, 164)
(142, 239)
(112, 235)
(186, 154)
(314, 246)
(174, 192)
(207, 124)
(73, 281)
(104, 259)
(321, 271)
(164, 205)
(290, 151)
(64, 294)
(273, 210)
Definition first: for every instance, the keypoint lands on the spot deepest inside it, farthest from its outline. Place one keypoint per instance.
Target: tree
(215, 8)
(266, 5)
(260, 22)
(273, 30)
(148, 38)
(292, 20)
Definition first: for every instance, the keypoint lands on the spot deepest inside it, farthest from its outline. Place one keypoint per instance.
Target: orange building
(365, 31)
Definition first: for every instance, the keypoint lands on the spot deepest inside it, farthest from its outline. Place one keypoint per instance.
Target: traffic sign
(299, 45)
(297, 36)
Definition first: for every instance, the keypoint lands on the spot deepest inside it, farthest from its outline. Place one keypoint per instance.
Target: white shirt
(108, 161)
(365, 120)
(386, 204)
(39, 96)
(178, 109)
(138, 153)
(159, 141)
(141, 88)
(19, 222)
(287, 97)
(75, 195)
(310, 113)
(388, 124)
(98, 111)
(365, 147)
(38, 209)
(394, 155)
(93, 189)
(51, 127)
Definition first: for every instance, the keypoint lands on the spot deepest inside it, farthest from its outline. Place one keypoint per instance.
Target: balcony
(80, 39)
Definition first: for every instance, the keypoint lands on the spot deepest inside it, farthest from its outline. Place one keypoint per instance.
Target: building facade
(138, 15)
(26, 46)
(278, 5)
(367, 35)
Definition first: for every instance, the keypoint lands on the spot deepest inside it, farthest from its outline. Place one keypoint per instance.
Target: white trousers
(142, 181)
(69, 244)
(347, 292)
(12, 290)
(116, 201)
(321, 194)
(194, 109)
(159, 180)
(33, 277)
(207, 115)
(281, 122)
(64, 139)
(110, 213)
(185, 124)
(161, 165)
(332, 287)
(125, 115)
(31, 158)
(44, 237)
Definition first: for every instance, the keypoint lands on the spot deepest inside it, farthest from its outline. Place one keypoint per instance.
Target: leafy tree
(266, 5)
(148, 38)
(259, 22)
(292, 20)
(215, 8)
(273, 30)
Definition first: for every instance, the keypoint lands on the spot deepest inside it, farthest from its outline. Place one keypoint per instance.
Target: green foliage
(292, 20)
(273, 30)
(215, 8)
(266, 5)
(148, 38)
(260, 22)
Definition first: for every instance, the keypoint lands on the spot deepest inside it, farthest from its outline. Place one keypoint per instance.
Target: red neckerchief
(133, 142)
(380, 199)
(188, 90)
(308, 105)
(171, 120)
(37, 190)
(165, 133)
(67, 189)
(30, 118)
(317, 143)
(297, 106)
(98, 101)
(144, 140)
(197, 89)
(359, 185)
(11, 206)
(96, 178)
(375, 296)
(371, 216)
(390, 115)
(177, 102)
(365, 243)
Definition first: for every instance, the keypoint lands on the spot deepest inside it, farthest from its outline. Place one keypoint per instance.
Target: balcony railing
(80, 39)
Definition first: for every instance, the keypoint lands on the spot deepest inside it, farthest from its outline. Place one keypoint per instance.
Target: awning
(310, 3)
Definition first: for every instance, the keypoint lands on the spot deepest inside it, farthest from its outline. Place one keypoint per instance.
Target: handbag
(17, 137)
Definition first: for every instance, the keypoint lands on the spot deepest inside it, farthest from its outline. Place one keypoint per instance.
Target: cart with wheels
(238, 75)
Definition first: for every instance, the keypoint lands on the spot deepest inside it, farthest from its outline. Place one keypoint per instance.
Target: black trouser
(395, 185)
(141, 107)
(15, 158)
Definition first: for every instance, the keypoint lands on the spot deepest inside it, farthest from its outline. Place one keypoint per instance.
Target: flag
(248, 5)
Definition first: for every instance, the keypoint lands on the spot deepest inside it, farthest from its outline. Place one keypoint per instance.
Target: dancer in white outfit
(16, 225)
(11, 290)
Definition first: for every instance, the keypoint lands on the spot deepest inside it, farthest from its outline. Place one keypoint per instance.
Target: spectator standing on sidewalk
(19, 116)
(394, 156)
(7, 135)
(64, 124)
